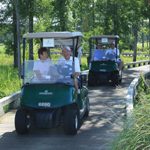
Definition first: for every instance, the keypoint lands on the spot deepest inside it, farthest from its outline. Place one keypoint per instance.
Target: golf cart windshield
(54, 42)
(104, 53)
(48, 72)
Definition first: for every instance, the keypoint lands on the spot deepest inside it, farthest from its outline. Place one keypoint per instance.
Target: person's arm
(76, 74)
(77, 68)
(118, 52)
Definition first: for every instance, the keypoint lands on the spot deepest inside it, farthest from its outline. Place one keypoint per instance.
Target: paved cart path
(97, 132)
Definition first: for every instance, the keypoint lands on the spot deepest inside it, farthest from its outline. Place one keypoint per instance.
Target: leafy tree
(146, 14)
(93, 17)
(60, 14)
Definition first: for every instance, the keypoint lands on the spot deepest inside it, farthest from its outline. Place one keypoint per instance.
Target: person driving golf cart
(42, 65)
(99, 53)
(67, 60)
(112, 51)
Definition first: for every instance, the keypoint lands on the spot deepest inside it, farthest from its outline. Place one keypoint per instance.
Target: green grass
(2, 48)
(84, 63)
(130, 59)
(9, 79)
(139, 45)
(6, 59)
(136, 133)
(6, 108)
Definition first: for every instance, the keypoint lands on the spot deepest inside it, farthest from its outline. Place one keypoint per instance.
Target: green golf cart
(52, 100)
(104, 61)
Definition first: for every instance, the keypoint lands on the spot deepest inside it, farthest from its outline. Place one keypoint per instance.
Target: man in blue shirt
(99, 53)
(113, 50)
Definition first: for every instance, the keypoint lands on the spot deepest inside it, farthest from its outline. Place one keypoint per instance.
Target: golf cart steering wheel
(110, 56)
(65, 70)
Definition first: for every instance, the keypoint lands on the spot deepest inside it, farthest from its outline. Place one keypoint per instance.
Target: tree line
(128, 19)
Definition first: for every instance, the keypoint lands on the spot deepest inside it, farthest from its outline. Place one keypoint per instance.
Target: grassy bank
(8, 75)
(9, 80)
(136, 134)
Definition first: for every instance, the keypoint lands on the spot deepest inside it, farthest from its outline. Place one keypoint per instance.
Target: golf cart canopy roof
(105, 36)
(104, 39)
(64, 35)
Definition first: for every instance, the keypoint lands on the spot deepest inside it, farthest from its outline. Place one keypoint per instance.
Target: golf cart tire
(87, 108)
(120, 78)
(91, 83)
(71, 120)
(116, 79)
(91, 80)
(21, 122)
(115, 82)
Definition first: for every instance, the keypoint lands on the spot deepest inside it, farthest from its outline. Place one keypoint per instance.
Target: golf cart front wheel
(120, 76)
(87, 108)
(115, 82)
(21, 122)
(92, 80)
(71, 121)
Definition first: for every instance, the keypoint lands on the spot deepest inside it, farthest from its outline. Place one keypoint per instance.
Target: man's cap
(66, 48)
(113, 43)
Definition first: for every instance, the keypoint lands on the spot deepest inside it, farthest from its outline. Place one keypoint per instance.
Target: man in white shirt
(113, 50)
(68, 59)
(41, 66)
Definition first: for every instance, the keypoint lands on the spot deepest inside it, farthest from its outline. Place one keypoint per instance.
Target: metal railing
(9, 102)
(136, 64)
(132, 93)
(125, 54)
(138, 54)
